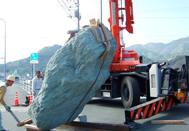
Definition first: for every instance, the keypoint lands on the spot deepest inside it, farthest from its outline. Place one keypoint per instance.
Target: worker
(8, 83)
(36, 86)
(36, 83)
(72, 34)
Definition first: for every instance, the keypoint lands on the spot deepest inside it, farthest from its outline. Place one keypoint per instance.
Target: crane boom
(121, 18)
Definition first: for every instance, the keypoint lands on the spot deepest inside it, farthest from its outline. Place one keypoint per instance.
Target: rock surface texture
(72, 77)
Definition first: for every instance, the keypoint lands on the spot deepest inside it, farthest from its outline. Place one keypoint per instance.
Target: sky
(34, 24)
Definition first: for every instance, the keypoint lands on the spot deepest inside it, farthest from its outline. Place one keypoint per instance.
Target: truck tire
(130, 92)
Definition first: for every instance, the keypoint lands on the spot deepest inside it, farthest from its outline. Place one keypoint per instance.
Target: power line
(71, 7)
(163, 17)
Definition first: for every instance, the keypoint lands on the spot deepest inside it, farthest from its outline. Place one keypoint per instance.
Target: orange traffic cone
(30, 98)
(16, 101)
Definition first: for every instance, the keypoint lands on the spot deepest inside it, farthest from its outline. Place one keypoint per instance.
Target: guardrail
(25, 84)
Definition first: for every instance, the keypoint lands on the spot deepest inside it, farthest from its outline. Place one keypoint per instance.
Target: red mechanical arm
(121, 18)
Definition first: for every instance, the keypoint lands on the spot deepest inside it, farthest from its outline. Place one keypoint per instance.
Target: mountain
(23, 66)
(151, 52)
(147, 53)
(163, 51)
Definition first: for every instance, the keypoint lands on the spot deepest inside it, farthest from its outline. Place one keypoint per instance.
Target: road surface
(100, 111)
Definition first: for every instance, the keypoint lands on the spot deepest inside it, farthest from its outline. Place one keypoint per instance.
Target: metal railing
(25, 84)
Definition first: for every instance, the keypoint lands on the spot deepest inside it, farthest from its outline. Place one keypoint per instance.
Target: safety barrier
(153, 107)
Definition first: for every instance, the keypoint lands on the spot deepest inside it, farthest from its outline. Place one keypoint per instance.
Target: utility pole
(5, 66)
(101, 11)
(78, 16)
(72, 8)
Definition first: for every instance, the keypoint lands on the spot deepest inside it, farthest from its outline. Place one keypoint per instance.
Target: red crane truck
(129, 78)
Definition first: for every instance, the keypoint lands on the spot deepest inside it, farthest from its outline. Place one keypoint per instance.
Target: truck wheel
(130, 92)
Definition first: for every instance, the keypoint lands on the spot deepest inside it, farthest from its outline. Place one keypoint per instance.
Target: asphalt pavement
(113, 112)
(7, 122)
(104, 111)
